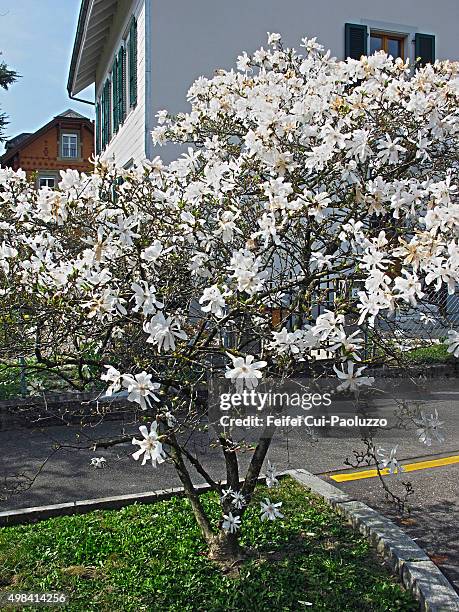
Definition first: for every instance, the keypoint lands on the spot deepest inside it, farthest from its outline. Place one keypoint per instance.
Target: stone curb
(418, 573)
(82, 506)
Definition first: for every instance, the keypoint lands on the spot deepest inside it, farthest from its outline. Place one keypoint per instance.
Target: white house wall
(193, 37)
(129, 143)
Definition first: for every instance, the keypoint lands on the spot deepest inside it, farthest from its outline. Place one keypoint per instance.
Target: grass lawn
(437, 353)
(152, 557)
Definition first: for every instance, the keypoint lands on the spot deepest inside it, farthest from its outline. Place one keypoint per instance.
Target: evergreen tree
(7, 78)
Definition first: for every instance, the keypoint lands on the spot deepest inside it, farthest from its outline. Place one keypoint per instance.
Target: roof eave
(94, 24)
(82, 17)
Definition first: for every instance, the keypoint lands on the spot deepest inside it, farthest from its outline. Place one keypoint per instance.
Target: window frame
(46, 179)
(46, 175)
(70, 134)
(386, 36)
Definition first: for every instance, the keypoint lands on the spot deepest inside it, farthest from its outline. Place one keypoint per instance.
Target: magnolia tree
(300, 170)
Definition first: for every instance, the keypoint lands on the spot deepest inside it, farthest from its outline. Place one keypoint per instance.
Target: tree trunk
(225, 549)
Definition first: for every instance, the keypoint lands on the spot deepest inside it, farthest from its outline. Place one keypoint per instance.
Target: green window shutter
(97, 127)
(106, 114)
(121, 85)
(115, 95)
(355, 40)
(104, 117)
(424, 49)
(133, 63)
(109, 110)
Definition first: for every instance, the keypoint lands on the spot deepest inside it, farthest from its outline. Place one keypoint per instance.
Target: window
(47, 181)
(392, 44)
(361, 39)
(70, 145)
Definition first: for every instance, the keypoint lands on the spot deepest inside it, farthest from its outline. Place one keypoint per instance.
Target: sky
(36, 40)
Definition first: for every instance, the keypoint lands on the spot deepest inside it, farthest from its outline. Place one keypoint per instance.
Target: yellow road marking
(410, 467)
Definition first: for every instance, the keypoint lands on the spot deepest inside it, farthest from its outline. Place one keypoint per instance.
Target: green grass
(48, 380)
(436, 353)
(152, 557)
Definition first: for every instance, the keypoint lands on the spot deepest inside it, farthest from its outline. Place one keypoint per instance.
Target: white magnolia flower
(327, 324)
(246, 271)
(106, 305)
(150, 447)
(389, 150)
(226, 493)
(163, 332)
(352, 380)
(113, 376)
(285, 341)
(231, 523)
(141, 389)
(227, 226)
(170, 419)
(273, 38)
(270, 511)
(198, 265)
(428, 319)
(6, 252)
(70, 178)
(245, 371)
(243, 62)
(409, 288)
(271, 480)
(154, 251)
(389, 460)
(145, 298)
(428, 428)
(215, 300)
(453, 342)
(268, 229)
(98, 462)
(350, 345)
(238, 500)
(321, 260)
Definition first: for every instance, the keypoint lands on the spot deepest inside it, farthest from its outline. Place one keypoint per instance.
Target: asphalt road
(66, 474)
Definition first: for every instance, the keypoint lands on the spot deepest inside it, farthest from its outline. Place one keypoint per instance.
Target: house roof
(13, 142)
(93, 28)
(24, 139)
(72, 114)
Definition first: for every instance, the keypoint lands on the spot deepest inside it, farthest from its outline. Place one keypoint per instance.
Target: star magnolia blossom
(150, 446)
(98, 462)
(215, 300)
(163, 332)
(389, 460)
(270, 511)
(429, 428)
(271, 480)
(238, 500)
(453, 342)
(141, 389)
(352, 379)
(245, 371)
(231, 523)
